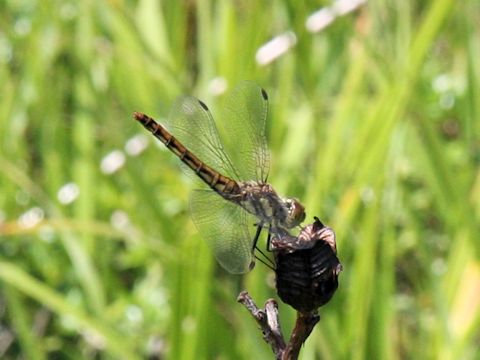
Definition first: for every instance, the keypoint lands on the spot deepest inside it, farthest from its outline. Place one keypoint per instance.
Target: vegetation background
(374, 126)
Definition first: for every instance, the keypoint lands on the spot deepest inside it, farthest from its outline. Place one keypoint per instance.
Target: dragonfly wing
(245, 116)
(192, 124)
(226, 229)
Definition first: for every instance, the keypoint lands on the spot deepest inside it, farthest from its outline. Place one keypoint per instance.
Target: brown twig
(269, 323)
(268, 320)
(302, 330)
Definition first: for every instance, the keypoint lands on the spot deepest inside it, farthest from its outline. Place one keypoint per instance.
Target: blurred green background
(374, 126)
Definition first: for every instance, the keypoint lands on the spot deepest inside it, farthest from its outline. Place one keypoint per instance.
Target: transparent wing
(192, 124)
(245, 116)
(226, 229)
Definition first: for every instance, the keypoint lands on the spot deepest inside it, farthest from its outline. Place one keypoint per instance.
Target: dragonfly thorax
(261, 200)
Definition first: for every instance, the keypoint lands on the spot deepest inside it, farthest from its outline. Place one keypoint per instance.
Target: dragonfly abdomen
(216, 181)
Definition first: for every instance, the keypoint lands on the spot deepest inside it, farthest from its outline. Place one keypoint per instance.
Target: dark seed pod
(307, 267)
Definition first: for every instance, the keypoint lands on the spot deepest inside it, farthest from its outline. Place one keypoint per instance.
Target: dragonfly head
(296, 213)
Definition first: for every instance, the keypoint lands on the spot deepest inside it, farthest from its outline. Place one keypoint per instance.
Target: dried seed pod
(307, 267)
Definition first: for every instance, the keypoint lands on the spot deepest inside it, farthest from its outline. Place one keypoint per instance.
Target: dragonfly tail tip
(138, 116)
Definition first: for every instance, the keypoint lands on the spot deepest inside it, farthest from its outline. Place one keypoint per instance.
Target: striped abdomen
(216, 181)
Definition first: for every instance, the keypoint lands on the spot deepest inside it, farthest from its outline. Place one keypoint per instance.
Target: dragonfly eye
(296, 213)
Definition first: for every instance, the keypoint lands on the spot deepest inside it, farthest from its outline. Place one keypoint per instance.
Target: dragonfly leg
(257, 235)
(265, 260)
(269, 237)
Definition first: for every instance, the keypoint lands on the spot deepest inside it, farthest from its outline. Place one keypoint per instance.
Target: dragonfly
(235, 196)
